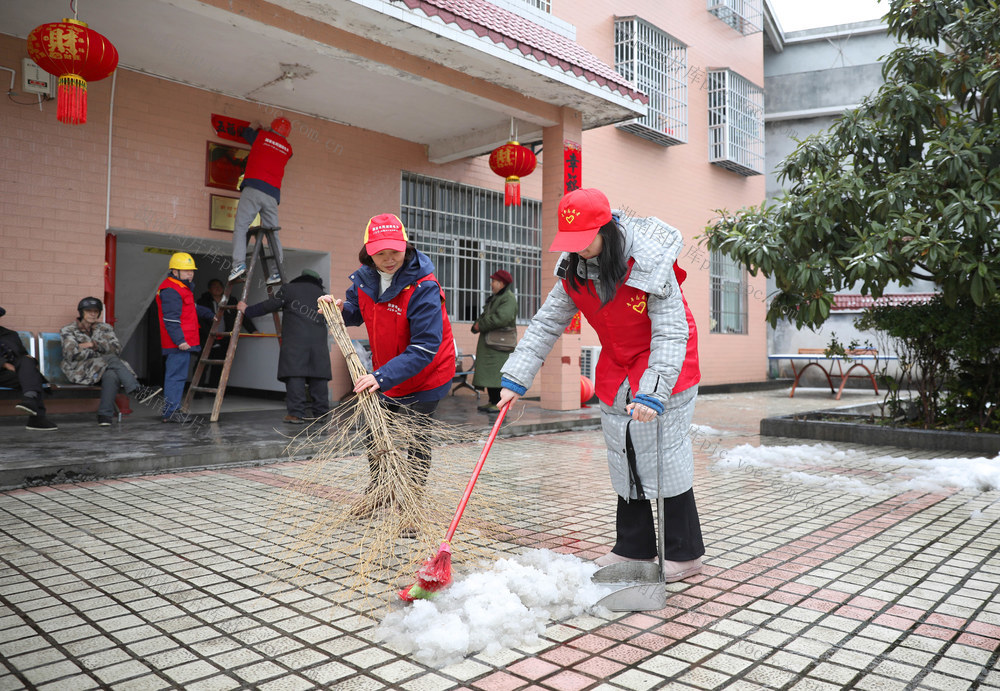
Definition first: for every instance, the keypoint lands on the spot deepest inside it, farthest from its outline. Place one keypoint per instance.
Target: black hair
(367, 260)
(216, 280)
(612, 264)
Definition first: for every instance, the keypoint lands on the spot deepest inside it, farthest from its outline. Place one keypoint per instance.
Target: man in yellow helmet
(179, 315)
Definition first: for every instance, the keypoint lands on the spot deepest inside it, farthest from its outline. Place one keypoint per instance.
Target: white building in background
(811, 77)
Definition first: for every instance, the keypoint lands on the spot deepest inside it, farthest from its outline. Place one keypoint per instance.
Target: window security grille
(728, 295)
(468, 233)
(735, 123)
(543, 5)
(656, 63)
(745, 16)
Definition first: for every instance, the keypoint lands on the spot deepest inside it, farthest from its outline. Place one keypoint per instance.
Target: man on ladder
(260, 192)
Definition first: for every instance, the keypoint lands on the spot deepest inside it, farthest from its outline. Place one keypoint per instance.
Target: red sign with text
(229, 128)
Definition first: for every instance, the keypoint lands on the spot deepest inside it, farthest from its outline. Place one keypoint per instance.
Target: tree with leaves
(904, 187)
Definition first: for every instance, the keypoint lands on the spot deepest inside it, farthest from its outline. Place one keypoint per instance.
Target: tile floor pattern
(163, 582)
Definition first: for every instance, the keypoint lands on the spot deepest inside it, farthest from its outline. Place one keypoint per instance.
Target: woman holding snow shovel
(622, 275)
(395, 294)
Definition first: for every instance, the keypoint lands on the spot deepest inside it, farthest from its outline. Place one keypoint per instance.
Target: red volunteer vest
(389, 335)
(625, 332)
(189, 315)
(268, 157)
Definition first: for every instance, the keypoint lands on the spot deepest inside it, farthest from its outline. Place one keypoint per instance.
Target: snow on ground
(895, 474)
(504, 605)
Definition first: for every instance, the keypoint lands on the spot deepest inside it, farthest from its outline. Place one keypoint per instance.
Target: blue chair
(50, 359)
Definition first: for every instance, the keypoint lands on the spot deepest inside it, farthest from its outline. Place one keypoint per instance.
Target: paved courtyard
(828, 567)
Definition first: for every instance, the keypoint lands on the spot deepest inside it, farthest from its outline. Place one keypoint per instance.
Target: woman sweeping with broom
(395, 294)
(626, 282)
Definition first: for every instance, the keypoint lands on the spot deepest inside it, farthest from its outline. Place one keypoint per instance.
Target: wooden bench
(817, 357)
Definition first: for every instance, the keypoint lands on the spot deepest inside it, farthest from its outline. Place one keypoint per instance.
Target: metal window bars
(745, 16)
(468, 233)
(728, 282)
(543, 5)
(656, 64)
(735, 123)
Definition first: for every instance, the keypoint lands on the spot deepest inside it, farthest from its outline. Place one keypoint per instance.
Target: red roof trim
(509, 29)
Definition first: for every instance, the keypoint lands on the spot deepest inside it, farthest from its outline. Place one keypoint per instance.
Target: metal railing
(735, 123)
(468, 233)
(745, 16)
(728, 282)
(656, 64)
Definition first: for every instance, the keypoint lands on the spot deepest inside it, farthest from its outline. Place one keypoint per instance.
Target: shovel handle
(475, 474)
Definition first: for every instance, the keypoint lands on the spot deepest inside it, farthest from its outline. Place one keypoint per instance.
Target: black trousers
(27, 377)
(316, 404)
(679, 523)
(419, 453)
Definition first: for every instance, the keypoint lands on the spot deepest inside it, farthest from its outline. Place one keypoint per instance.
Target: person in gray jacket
(624, 278)
(304, 361)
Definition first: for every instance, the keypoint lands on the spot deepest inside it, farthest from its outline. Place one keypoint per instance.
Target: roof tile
(518, 33)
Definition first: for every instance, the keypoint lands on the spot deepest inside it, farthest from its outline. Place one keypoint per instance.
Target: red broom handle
(475, 474)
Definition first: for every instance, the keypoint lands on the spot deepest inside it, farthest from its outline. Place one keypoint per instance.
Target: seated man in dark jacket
(305, 354)
(18, 370)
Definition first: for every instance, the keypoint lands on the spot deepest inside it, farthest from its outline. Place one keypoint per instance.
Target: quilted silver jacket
(654, 246)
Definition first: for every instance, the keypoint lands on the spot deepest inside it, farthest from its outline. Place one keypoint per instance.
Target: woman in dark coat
(305, 353)
(500, 311)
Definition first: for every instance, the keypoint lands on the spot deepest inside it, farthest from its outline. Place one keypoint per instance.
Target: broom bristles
(436, 572)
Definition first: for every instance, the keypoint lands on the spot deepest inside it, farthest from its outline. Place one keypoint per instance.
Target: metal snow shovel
(647, 590)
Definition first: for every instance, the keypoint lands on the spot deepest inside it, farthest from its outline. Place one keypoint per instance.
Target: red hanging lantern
(75, 54)
(512, 161)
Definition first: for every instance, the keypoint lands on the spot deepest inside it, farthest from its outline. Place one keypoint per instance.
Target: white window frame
(735, 122)
(468, 234)
(728, 287)
(744, 16)
(655, 63)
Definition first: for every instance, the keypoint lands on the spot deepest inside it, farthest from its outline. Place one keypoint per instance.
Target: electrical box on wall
(35, 80)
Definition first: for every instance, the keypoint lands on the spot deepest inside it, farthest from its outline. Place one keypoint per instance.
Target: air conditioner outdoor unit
(588, 360)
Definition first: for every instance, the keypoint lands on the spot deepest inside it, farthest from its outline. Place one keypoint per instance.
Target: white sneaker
(274, 279)
(679, 570)
(237, 271)
(612, 558)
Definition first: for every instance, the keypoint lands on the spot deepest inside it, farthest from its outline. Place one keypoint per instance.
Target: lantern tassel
(512, 191)
(72, 108)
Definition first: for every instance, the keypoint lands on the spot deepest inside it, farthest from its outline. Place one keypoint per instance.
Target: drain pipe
(111, 121)
(110, 240)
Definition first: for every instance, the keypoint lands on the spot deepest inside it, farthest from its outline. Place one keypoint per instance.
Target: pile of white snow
(899, 473)
(504, 605)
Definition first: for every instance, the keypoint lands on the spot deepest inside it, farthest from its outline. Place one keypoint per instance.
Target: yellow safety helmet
(182, 261)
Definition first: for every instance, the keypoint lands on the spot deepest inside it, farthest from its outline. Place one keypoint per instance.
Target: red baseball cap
(582, 212)
(385, 232)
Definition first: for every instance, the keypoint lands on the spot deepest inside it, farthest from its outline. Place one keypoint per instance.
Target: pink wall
(677, 184)
(52, 210)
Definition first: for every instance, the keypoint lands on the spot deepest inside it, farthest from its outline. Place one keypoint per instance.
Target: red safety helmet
(281, 126)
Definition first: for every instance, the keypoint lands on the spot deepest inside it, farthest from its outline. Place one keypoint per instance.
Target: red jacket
(625, 331)
(268, 156)
(390, 317)
(188, 317)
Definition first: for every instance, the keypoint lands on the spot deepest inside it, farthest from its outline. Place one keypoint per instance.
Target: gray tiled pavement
(838, 577)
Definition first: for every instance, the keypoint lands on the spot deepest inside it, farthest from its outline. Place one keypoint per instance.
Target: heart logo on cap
(569, 215)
